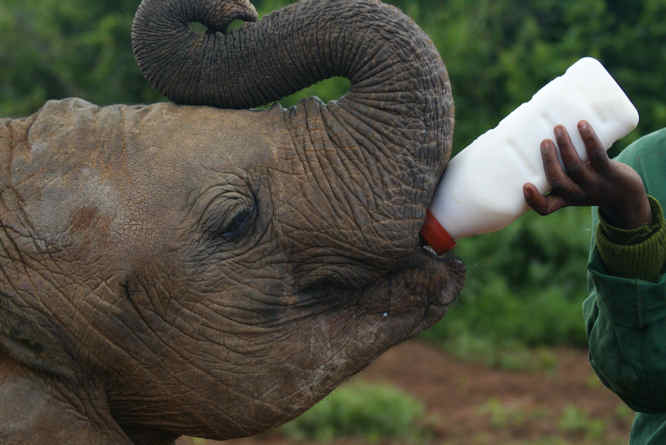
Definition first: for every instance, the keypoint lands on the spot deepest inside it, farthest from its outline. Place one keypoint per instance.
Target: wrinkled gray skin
(177, 269)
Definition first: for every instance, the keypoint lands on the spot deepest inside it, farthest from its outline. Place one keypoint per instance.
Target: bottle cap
(436, 235)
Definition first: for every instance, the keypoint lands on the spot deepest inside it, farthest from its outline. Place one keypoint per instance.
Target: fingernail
(558, 131)
(582, 125)
(528, 193)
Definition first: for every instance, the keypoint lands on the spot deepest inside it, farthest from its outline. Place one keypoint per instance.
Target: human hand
(615, 187)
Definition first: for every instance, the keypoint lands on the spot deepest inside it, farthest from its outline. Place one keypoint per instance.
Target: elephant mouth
(421, 288)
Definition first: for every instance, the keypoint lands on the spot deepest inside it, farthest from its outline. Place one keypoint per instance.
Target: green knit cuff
(637, 235)
(637, 253)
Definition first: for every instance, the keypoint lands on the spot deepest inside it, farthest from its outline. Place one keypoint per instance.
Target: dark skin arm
(614, 187)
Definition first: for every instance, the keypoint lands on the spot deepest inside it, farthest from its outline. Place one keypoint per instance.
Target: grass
(371, 411)
(380, 413)
(508, 355)
(573, 424)
(575, 420)
(624, 414)
(506, 415)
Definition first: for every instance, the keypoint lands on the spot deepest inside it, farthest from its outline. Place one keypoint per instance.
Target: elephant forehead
(126, 143)
(200, 137)
(130, 163)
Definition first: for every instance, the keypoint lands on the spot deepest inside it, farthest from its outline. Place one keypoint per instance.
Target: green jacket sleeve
(625, 311)
(626, 327)
(637, 253)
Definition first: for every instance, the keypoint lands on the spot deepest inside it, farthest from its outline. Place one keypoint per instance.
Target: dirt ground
(471, 404)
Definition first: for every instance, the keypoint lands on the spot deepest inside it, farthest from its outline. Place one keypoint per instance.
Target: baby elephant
(181, 268)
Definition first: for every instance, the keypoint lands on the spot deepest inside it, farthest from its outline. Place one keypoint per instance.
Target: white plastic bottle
(482, 188)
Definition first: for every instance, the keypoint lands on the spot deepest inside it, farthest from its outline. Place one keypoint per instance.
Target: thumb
(543, 205)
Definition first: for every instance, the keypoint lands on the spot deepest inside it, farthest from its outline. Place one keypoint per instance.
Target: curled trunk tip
(165, 47)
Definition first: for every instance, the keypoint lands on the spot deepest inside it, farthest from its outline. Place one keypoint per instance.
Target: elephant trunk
(394, 127)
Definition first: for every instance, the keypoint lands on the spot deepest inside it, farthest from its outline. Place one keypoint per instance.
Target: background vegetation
(525, 283)
(369, 410)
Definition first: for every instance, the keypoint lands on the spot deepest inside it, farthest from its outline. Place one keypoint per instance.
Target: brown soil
(529, 407)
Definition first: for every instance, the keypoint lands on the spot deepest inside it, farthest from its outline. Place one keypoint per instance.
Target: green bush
(525, 284)
(364, 410)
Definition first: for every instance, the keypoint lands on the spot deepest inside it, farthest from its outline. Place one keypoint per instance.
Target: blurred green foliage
(510, 354)
(576, 420)
(498, 52)
(506, 415)
(60, 48)
(361, 409)
(525, 284)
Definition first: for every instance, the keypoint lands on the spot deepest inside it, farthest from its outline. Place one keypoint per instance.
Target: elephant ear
(35, 348)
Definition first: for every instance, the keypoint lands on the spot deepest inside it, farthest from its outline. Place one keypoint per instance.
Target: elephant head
(187, 269)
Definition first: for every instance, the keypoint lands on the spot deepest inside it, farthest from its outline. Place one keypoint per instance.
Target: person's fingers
(533, 198)
(556, 176)
(541, 204)
(596, 152)
(561, 184)
(573, 165)
(569, 155)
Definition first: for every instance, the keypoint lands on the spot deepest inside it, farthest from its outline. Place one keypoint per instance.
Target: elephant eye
(229, 219)
(237, 225)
